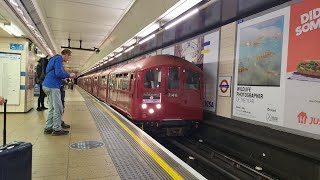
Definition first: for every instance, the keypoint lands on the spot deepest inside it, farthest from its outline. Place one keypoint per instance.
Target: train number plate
(151, 98)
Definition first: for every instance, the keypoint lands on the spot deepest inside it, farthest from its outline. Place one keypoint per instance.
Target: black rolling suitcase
(15, 158)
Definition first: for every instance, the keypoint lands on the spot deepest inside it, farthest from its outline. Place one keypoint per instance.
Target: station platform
(126, 152)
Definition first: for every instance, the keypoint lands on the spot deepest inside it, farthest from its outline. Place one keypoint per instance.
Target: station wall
(17, 79)
(259, 56)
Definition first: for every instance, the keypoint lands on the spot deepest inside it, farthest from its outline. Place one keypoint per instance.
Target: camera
(97, 50)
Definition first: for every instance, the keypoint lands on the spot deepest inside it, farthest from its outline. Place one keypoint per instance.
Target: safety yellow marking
(154, 155)
(205, 51)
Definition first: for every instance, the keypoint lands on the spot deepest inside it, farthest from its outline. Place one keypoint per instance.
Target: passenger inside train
(152, 78)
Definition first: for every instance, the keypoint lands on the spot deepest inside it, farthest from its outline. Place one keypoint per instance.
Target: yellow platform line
(154, 155)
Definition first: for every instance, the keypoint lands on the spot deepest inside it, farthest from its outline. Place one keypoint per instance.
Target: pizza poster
(261, 57)
(302, 103)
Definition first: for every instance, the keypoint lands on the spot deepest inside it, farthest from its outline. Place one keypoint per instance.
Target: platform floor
(128, 152)
(52, 157)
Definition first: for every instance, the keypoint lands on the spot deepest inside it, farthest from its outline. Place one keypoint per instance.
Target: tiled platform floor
(52, 157)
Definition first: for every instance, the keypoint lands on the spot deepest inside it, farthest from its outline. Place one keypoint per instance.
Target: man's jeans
(55, 108)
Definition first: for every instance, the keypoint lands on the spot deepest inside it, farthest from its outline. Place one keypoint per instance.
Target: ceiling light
(148, 30)
(147, 39)
(129, 49)
(182, 18)
(130, 42)
(12, 29)
(13, 2)
(118, 49)
(118, 55)
(179, 9)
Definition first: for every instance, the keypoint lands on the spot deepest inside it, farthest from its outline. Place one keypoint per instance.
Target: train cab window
(174, 78)
(152, 78)
(192, 80)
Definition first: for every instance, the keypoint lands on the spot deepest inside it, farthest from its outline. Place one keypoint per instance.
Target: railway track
(209, 162)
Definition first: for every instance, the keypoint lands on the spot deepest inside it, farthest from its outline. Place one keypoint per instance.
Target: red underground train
(160, 92)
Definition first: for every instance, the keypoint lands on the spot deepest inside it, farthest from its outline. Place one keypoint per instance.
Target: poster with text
(10, 77)
(261, 59)
(210, 53)
(302, 103)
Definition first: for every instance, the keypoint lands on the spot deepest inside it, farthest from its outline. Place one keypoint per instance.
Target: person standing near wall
(51, 86)
(40, 76)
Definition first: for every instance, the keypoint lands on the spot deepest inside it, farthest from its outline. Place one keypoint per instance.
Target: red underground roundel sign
(224, 86)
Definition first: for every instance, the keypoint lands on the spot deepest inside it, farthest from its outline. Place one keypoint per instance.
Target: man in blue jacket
(51, 86)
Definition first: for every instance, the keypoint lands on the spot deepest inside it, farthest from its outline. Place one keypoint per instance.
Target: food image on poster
(302, 100)
(260, 53)
(308, 70)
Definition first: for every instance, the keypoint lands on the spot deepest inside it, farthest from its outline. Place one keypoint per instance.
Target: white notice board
(10, 77)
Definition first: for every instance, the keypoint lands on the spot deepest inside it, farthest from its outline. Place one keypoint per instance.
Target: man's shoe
(64, 125)
(44, 108)
(39, 109)
(59, 133)
(47, 131)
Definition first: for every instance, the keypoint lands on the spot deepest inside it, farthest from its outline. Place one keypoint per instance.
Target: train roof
(106, 72)
(155, 61)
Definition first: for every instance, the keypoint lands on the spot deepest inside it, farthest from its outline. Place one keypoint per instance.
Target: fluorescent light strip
(118, 55)
(147, 39)
(181, 19)
(13, 30)
(129, 49)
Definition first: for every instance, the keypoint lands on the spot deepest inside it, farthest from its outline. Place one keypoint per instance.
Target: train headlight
(158, 106)
(144, 106)
(151, 111)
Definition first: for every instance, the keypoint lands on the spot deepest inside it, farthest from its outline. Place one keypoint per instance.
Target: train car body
(103, 85)
(95, 84)
(157, 91)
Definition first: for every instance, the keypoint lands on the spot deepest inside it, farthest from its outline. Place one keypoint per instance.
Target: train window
(152, 78)
(131, 82)
(174, 78)
(104, 81)
(192, 80)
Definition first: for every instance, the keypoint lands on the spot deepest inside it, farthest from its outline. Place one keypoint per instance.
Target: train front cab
(171, 95)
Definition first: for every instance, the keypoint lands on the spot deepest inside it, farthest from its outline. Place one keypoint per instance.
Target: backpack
(41, 70)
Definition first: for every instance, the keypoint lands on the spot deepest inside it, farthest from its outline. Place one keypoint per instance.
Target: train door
(172, 95)
(191, 95)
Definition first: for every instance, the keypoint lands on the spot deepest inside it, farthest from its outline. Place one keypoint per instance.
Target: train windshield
(192, 80)
(152, 78)
(174, 78)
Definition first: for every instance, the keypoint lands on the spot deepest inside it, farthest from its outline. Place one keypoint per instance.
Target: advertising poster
(261, 57)
(168, 50)
(10, 77)
(302, 103)
(210, 52)
(190, 50)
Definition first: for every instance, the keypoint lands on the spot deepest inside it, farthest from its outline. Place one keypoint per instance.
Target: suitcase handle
(5, 123)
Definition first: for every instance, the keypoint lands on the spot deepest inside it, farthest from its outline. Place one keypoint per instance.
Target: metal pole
(5, 123)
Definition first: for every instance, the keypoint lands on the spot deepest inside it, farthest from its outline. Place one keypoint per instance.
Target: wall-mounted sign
(16, 46)
(224, 86)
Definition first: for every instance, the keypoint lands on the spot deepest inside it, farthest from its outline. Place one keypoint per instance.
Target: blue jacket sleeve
(59, 69)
